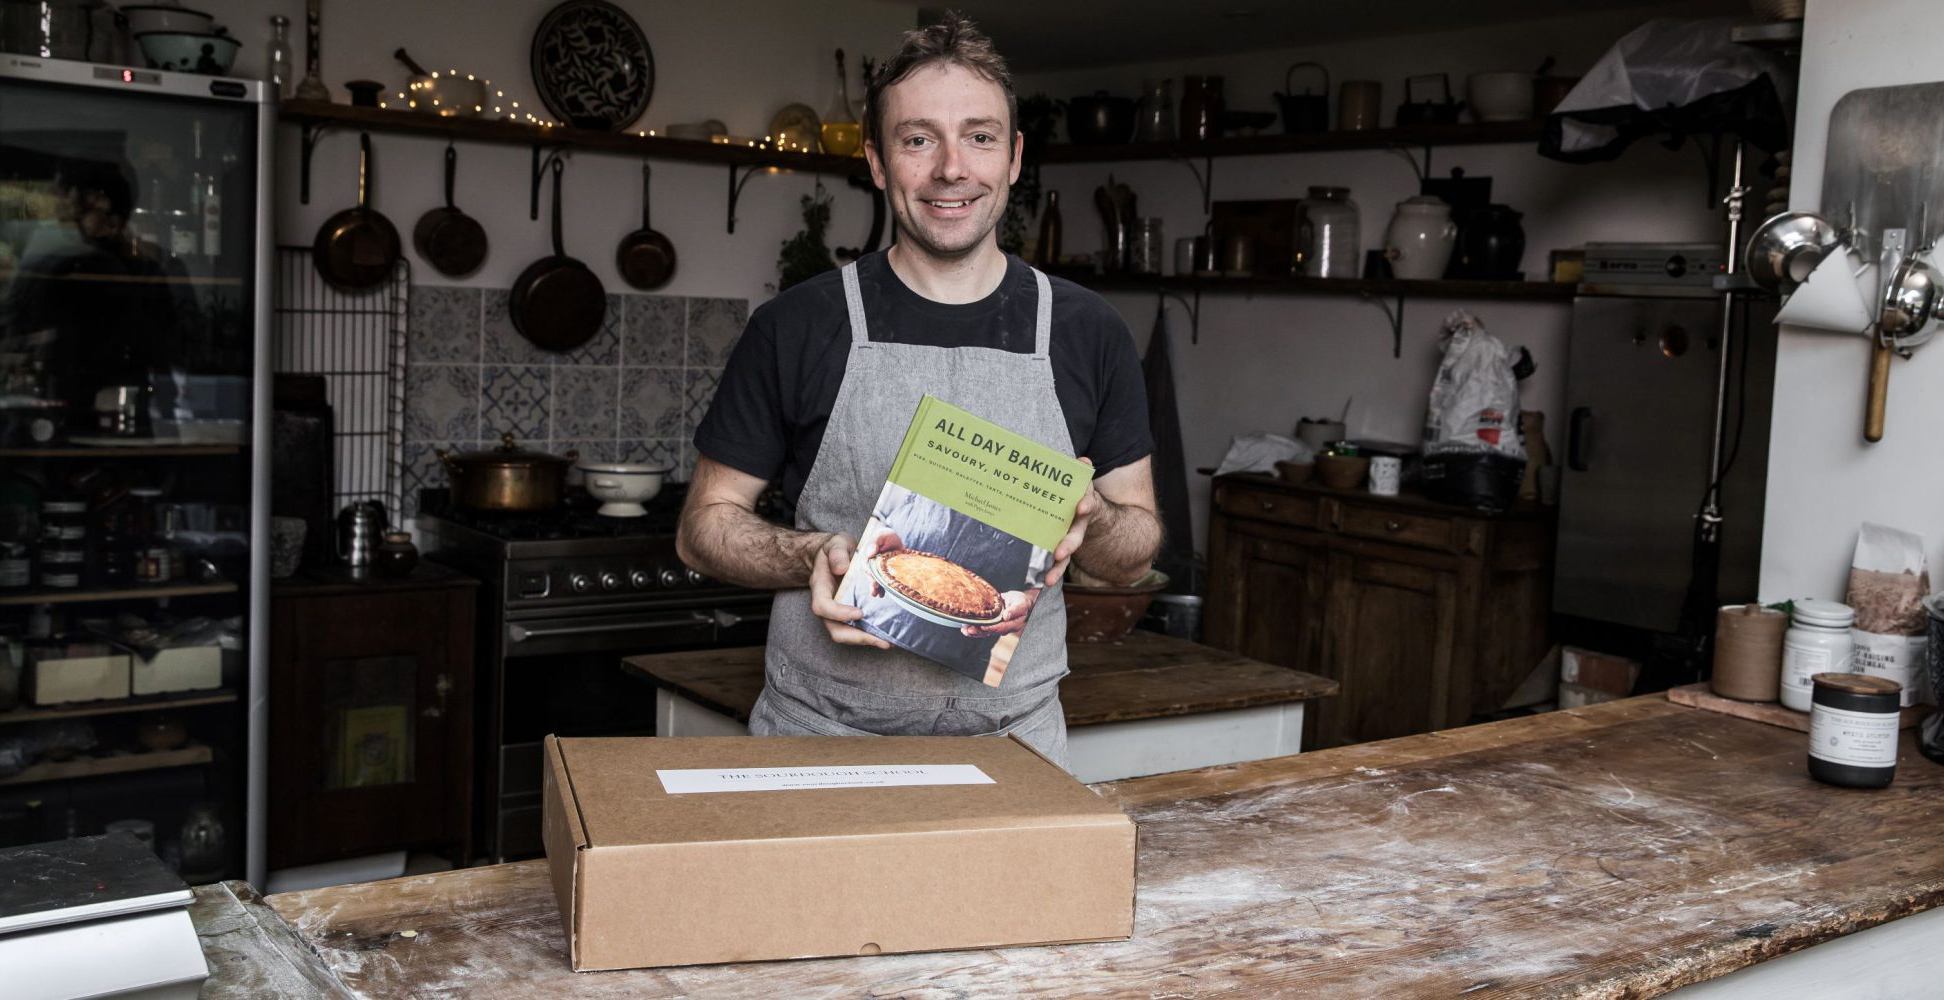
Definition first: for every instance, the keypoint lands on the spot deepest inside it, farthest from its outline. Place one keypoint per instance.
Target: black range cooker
(568, 594)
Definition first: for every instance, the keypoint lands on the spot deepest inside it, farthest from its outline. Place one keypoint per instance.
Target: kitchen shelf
(148, 451)
(1399, 137)
(1369, 289)
(316, 116)
(121, 763)
(119, 706)
(124, 594)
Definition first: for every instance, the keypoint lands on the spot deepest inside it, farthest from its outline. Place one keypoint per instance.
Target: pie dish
(937, 588)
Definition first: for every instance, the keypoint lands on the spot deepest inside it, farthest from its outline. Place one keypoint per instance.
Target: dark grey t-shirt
(774, 399)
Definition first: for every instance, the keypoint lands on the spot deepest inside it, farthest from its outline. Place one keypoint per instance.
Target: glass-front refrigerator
(134, 509)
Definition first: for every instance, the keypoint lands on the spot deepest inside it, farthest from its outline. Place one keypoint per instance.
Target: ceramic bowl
(1499, 97)
(286, 545)
(188, 51)
(1104, 613)
(146, 18)
(622, 487)
(1295, 473)
(1342, 472)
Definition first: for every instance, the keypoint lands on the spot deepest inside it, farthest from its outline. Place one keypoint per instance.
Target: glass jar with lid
(1145, 253)
(1328, 233)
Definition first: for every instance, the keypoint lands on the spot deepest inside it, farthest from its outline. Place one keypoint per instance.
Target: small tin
(1853, 723)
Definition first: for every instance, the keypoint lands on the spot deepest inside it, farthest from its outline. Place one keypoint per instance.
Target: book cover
(956, 551)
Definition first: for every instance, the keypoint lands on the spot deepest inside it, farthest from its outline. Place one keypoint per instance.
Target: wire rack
(357, 342)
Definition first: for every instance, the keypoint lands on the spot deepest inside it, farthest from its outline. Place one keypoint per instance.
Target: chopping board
(1773, 713)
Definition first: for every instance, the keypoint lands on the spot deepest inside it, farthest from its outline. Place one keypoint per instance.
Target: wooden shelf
(146, 451)
(498, 130)
(1528, 291)
(125, 594)
(1402, 137)
(119, 706)
(136, 279)
(124, 763)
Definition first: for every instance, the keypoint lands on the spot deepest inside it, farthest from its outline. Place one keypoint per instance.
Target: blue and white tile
(652, 403)
(652, 330)
(699, 392)
(714, 325)
(662, 453)
(502, 343)
(585, 400)
(516, 399)
(441, 402)
(602, 450)
(444, 324)
(604, 348)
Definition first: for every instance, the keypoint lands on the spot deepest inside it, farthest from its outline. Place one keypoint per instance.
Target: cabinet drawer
(1397, 526)
(1266, 505)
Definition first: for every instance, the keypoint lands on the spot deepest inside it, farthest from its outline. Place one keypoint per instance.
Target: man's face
(949, 158)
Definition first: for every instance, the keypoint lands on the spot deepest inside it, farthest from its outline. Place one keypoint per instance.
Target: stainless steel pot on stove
(507, 478)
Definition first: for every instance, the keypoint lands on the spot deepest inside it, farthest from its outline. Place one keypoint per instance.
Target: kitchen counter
(1143, 704)
(1617, 851)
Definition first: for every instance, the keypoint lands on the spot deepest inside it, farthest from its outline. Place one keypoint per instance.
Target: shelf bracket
(1395, 316)
(1194, 312)
(312, 130)
(1204, 175)
(736, 186)
(543, 156)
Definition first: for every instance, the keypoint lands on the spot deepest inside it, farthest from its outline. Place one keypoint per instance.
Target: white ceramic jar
(1420, 238)
(1818, 642)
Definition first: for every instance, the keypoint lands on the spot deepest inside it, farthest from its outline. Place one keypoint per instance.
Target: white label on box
(689, 780)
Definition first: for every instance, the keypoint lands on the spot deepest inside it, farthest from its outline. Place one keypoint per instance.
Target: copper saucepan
(507, 478)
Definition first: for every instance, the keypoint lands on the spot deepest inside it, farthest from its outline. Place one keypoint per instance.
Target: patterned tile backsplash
(632, 394)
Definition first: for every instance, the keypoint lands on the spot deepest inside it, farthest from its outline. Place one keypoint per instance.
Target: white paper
(690, 780)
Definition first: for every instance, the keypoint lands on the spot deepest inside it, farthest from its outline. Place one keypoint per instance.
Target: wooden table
(1146, 704)
(1616, 851)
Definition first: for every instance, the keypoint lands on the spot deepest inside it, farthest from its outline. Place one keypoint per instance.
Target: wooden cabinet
(371, 689)
(1426, 615)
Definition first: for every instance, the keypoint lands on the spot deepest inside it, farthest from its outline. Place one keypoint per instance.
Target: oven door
(562, 675)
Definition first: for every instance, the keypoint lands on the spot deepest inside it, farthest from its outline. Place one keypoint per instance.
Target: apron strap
(854, 302)
(1043, 322)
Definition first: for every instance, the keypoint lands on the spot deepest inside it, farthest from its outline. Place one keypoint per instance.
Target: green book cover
(957, 548)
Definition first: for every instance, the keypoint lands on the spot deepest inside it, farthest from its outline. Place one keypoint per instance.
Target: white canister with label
(1385, 471)
(1818, 642)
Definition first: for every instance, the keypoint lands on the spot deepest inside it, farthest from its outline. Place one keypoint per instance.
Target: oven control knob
(610, 580)
(640, 580)
(696, 579)
(670, 578)
(581, 582)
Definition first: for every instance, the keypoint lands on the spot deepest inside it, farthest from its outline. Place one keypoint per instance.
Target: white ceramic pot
(1420, 238)
(621, 487)
(1499, 97)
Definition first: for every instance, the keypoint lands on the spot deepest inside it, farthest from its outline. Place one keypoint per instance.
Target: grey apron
(816, 687)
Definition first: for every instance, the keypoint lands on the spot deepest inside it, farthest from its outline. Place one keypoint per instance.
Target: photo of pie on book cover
(959, 543)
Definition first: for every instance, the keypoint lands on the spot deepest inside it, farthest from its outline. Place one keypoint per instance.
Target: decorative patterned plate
(592, 65)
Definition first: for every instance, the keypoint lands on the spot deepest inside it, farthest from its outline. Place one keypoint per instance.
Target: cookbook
(958, 545)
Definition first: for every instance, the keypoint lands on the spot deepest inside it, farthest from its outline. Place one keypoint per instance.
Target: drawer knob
(1393, 524)
(1268, 504)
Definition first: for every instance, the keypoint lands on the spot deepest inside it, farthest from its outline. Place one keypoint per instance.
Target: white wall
(1265, 361)
(1824, 479)
(735, 60)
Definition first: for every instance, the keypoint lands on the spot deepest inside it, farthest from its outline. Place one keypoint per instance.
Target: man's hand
(831, 561)
(1019, 603)
(1076, 532)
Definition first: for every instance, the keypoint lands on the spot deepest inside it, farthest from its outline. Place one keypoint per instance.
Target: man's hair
(953, 39)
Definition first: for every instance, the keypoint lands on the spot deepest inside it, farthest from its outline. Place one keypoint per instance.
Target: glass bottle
(1046, 253)
(280, 68)
(842, 135)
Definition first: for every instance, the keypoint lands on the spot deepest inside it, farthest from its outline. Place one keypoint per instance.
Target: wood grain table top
(1143, 676)
(1616, 851)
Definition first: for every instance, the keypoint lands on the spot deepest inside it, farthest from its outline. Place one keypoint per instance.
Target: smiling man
(819, 390)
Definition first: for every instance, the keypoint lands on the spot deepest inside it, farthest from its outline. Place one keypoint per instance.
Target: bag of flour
(1887, 584)
(1473, 454)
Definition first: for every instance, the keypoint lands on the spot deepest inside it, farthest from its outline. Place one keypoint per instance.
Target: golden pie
(940, 584)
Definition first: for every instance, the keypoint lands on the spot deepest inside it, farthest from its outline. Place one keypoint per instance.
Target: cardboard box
(801, 863)
(80, 678)
(184, 668)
